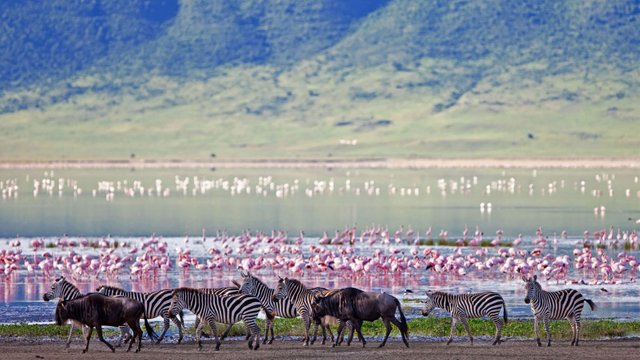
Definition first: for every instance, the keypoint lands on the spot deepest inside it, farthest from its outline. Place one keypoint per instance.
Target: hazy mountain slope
(305, 79)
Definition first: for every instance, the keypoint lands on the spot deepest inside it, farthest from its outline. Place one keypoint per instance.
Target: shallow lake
(128, 206)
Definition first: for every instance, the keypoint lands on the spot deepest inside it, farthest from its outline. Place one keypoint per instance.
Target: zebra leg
(307, 325)
(315, 332)
(199, 327)
(324, 338)
(546, 328)
(577, 330)
(125, 336)
(499, 323)
(536, 329)
(99, 331)
(267, 323)
(71, 333)
(572, 322)
(387, 326)
(166, 327)
(339, 336)
(226, 332)
(254, 330)
(272, 334)
(454, 323)
(214, 331)
(179, 325)
(463, 320)
(87, 337)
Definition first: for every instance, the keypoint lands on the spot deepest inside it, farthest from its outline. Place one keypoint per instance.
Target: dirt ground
(20, 349)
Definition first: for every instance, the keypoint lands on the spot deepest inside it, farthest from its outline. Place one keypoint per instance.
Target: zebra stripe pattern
(224, 309)
(302, 298)
(555, 305)
(468, 306)
(283, 308)
(156, 303)
(225, 291)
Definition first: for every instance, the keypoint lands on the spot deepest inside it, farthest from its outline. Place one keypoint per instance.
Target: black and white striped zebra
(468, 306)
(284, 308)
(555, 305)
(65, 291)
(224, 291)
(156, 303)
(302, 298)
(223, 309)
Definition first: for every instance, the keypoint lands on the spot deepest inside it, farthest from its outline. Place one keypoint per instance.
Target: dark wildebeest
(355, 305)
(97, 310)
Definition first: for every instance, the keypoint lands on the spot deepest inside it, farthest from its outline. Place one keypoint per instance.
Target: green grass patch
(429, 326)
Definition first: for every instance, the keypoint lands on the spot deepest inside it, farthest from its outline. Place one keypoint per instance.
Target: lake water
(128, 206)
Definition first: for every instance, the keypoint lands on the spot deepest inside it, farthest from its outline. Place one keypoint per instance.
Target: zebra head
(532, 287)
(177, 302)
(429, 304)
(282, 290)
(56, 290)
(249, 284)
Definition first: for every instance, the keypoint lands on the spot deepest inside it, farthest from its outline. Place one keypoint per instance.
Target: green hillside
(300, 80)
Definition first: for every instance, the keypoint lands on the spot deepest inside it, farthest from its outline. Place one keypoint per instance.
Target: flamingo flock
(607, 257)
(600, 185)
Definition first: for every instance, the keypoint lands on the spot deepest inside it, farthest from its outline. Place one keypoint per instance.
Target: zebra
(302, 297)
(155, 303)
(555, 305)
(468, 306)
(284, 308)
(212, 308)
(224, 291)
(64, 290)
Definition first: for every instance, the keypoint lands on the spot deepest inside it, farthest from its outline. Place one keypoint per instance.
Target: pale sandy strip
(322, 163)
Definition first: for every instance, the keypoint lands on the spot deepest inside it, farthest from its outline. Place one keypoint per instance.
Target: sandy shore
(15, 349)
(565, 163)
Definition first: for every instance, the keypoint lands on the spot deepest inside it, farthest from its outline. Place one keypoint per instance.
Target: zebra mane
(63, 281)
(113, 288)
(297, 283)
(259, 282)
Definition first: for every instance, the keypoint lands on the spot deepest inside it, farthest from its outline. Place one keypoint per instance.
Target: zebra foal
(555, 305)
(468, 306)
(224, 309)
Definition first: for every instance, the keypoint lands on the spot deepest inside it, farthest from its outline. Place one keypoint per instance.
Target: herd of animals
(112, 306)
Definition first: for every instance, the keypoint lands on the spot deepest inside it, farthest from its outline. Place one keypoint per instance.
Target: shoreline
(232, 350)
(365, 163)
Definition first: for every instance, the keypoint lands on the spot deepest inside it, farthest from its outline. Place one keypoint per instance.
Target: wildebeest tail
(591, 304)
(504, 312)
(147, 326)
(403, 319)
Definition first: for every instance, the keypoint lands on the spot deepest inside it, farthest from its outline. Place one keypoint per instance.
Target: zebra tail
(504, 308)
(403, 320)
(591, 304)
(147, 326)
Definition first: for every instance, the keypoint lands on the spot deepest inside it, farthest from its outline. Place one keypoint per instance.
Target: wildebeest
(355, 305)
(97, 310)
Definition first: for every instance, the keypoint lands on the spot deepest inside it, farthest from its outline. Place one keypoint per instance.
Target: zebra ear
(237, 284)
(535, 277)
